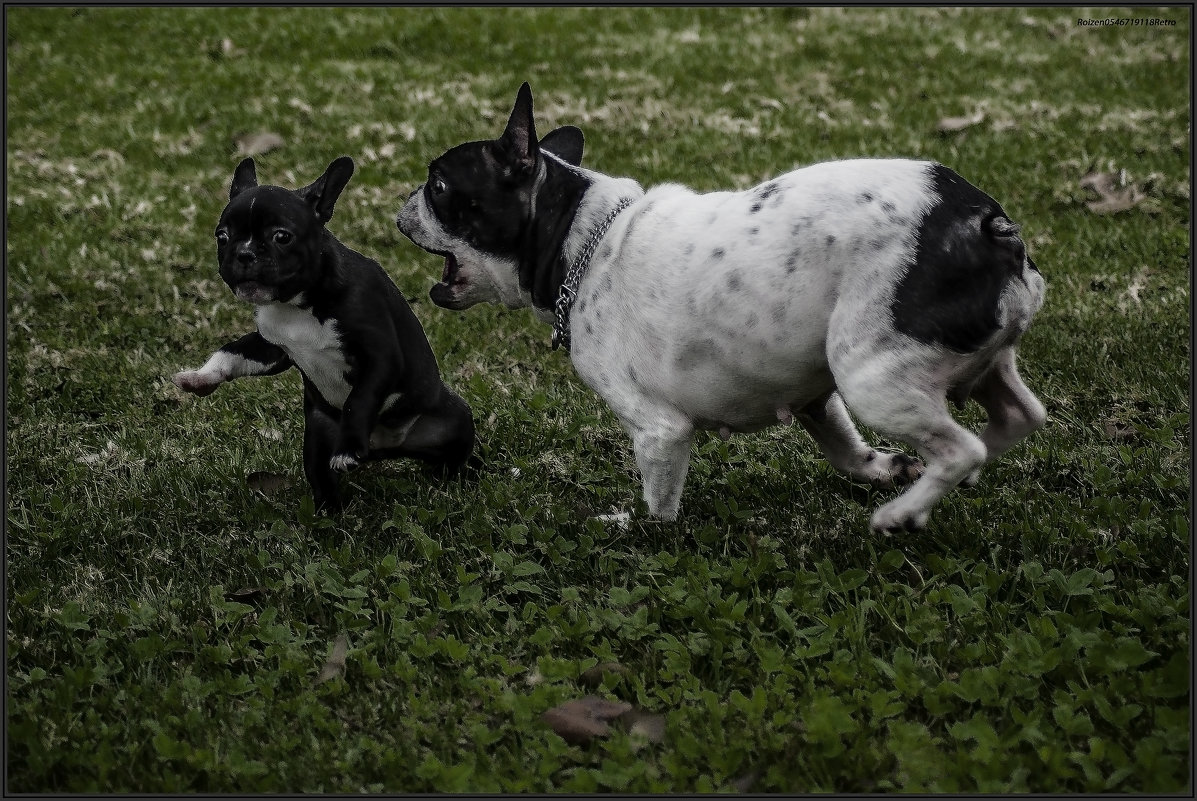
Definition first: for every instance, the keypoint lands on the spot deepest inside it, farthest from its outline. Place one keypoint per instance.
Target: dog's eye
(283, 237)
(222, 238)
(438, 186)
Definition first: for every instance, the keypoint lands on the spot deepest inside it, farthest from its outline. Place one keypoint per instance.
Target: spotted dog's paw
(895, 470)
(197, 382)
(893, 518)
(343, 462)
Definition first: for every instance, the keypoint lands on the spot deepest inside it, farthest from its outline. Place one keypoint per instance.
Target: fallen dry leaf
(245, 594)
(267, 483)
(335, 665)
(578, 722)
(1112, 196)
(256, 144)
(1120, 432)
(952, 124)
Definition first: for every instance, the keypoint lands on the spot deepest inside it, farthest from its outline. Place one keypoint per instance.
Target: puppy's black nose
(245, 256)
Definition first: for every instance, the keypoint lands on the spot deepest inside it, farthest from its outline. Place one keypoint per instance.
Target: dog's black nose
(245, 256)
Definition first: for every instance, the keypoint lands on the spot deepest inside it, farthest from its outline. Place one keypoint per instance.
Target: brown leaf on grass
(267, 483)
(245, 594)
(593, 677)
(1119, 431)
(335, 665)
(953, 124)
(580, 721)
(1112, 196)
(255, 144)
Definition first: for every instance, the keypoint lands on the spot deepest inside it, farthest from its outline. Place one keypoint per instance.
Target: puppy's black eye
(283, 237)
(222, 238)
(438, 186)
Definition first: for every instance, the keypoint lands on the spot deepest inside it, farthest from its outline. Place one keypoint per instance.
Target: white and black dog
(880, 286)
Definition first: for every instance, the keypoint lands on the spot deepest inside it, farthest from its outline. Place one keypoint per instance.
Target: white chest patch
(315, 347)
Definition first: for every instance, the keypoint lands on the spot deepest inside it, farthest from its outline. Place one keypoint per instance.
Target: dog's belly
(743, 396)
(718, 305)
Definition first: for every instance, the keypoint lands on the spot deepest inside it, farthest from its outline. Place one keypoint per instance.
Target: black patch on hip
(949, 295)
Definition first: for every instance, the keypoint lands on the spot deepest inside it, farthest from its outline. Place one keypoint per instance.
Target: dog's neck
(572, 203)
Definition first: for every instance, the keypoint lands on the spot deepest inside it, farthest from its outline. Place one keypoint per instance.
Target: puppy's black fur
(372, 388)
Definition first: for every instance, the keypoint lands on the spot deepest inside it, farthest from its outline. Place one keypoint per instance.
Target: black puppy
(371, 387)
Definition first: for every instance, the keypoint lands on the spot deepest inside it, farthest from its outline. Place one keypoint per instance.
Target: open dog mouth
(447, 293)
(449, 276)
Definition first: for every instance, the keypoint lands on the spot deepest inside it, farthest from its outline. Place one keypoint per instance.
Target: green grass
(1034, 638)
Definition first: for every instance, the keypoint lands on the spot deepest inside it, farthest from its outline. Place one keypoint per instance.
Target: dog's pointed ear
(566, 143)
(322, 193)
(518, 143)
(244, 177)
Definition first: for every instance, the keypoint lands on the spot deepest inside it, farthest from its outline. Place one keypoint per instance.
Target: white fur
(315, 348)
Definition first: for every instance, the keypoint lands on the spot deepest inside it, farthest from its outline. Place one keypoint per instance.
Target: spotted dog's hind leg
(893, 392)
(1013, 410)
(827, 421)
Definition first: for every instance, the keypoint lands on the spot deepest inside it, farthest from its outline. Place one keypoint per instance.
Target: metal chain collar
(573, 277)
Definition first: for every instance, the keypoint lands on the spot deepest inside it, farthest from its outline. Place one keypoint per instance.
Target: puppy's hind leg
(827, 421)
(442, 436)
(1013, 410)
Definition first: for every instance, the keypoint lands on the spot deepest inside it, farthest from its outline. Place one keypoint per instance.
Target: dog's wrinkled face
(269, 238)
(476, 207)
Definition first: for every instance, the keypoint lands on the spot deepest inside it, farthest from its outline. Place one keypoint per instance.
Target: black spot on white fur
(733, 282)
(717, 253)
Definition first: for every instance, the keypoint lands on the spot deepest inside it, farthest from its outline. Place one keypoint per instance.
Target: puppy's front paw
(343, 462)
(197, 382)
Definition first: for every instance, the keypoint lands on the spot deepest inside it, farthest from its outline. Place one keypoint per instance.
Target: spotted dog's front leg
(251, 355)
(662, 446)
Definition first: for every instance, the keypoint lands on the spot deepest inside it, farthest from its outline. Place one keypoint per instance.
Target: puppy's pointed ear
(518, 143)
(565, 142)
(244, 177)
(322, 193)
